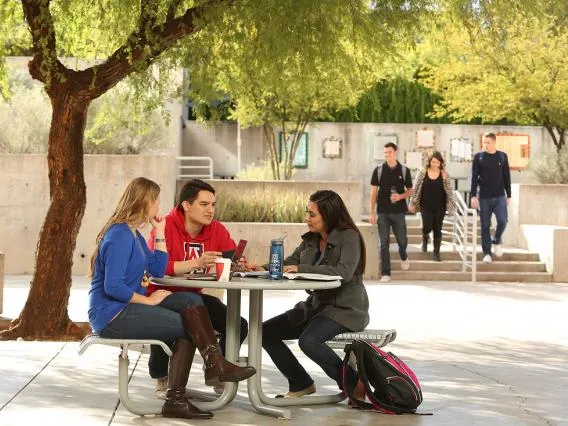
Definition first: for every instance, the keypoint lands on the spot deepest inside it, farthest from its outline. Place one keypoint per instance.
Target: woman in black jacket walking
(432, 197)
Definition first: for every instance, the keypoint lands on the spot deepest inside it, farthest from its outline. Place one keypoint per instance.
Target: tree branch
(142, 51)
(44, 64)
(172, 10)
(148, 16)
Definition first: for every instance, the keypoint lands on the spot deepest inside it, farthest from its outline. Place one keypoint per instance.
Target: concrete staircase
(516, 265)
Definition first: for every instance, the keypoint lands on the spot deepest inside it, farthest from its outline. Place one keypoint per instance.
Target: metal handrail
(464, 235)
(192, 167)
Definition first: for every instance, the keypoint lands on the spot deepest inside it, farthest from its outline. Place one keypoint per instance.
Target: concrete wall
(551, 243)
(350, 192)
(357, 163)
(533, 204)
(1, 282)
(260, 234)
(24, 201)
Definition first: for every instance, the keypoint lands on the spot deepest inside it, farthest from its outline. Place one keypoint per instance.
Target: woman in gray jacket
(333, 246)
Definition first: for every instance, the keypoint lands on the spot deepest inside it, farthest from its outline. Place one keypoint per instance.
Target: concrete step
(510, 254)
(466, 276)
(417, 230)
(417, 238)
(456, 265)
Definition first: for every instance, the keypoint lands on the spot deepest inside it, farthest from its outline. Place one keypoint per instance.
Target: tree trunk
(45, 314)
(272, 150)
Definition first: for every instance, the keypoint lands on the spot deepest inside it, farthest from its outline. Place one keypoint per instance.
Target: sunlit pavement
(486, 354)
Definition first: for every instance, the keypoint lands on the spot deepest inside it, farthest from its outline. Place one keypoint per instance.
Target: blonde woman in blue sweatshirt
(119, 307)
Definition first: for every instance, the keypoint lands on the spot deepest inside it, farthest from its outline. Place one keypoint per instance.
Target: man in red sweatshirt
(194, 240)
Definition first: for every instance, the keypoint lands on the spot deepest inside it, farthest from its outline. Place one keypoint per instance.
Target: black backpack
(390, 385)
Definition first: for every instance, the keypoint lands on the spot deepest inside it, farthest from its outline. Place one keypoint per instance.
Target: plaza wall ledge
(535, 204)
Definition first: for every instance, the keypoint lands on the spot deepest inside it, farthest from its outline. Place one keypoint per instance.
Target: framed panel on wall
(461, 149)
(332, 147)
(516, 146)
(378, 142)
(414, 160)
(301, 158)
(425, 138)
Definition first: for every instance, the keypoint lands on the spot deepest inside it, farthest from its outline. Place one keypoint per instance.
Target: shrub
(261, 206)
(115, 124)
(551, 167)
(261, 172)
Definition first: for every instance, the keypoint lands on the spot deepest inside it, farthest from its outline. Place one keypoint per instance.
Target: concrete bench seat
(123, 363)
(378, 338)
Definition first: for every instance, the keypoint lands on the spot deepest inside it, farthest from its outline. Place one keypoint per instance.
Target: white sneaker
(405, 264)
(161, 387)
(487, 258)
(385, 279)
(497, 250)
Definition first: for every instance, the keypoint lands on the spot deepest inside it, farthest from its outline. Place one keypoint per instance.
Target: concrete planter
(350, 192)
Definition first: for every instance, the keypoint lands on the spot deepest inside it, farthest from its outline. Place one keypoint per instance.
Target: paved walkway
(486, 354)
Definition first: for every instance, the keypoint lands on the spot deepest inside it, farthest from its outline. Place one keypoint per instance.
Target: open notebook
(291, 276)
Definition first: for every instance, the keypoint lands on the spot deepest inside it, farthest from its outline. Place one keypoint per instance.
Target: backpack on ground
(390, 385)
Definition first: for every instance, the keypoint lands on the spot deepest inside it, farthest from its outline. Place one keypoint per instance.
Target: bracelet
(159, 240)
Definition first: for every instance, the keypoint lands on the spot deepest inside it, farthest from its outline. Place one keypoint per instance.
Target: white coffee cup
(222, 269)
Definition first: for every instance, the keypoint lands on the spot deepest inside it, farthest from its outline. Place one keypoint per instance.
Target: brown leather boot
(217, 369)
(177, 405)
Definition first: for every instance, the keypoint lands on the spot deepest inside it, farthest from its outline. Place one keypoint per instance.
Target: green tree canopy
(288, 63)
(502, 59)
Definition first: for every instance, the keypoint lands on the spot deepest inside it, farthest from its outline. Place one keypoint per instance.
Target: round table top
(247, 283)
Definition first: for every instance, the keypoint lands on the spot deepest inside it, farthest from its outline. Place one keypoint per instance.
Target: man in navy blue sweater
(490, 171)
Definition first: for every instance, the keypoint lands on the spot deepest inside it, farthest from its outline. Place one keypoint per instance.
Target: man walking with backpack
(490, 171)
(391, 185)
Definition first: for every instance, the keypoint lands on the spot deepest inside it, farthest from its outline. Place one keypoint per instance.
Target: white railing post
(465, 236)
(474, 246)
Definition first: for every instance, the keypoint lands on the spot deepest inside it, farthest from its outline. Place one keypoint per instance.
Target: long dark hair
(336, 216)
(438, 156)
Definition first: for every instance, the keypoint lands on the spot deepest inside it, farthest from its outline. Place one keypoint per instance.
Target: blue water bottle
(276, 260)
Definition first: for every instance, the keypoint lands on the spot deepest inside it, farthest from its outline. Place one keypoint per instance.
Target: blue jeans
(311, 336)
(398, 223)
(161, 322)
(488, 206)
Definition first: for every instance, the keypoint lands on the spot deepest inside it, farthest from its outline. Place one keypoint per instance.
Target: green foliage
(395, 100)
(118, 122)
(502, 59)
(287, 63)
(551, 167)
(260, 172)
(261, 206)
(25, 117)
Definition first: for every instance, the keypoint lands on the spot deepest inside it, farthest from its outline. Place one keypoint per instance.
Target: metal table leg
(255, 359)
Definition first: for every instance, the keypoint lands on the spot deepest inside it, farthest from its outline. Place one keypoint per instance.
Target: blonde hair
(132, 209)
